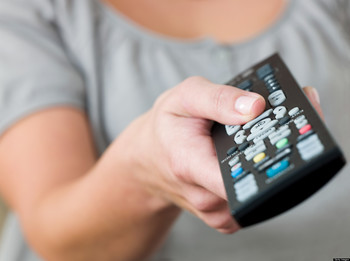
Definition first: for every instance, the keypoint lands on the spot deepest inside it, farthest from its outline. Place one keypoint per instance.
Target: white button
(252, 147)
(255, 152)
(260, 126)
(264, 135)
(299, 119)
(232, 129)
(279, 136)
(248, 193)
(293, 111)
(240, 137)
(311, 153)
(246, 181)
(266, 127)
(308, 141)
(276, 98)
(233, 161)
(259, 118)
(301, 124)
(278, 131)
(279, 112)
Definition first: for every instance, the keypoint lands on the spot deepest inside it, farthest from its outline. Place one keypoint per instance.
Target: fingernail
(244, 104)
(316, 95)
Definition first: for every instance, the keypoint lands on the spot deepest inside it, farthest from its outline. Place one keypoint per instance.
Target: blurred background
(3, 212)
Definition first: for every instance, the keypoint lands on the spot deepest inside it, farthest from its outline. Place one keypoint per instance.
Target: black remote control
(281, 157)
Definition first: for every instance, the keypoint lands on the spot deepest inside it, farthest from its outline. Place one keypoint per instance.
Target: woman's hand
(175, 152)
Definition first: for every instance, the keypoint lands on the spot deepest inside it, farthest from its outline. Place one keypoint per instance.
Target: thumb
(200, 98)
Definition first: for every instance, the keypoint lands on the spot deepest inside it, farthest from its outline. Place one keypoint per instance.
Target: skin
(75, 206)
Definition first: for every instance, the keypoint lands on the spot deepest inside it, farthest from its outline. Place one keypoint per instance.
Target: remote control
(281, 157)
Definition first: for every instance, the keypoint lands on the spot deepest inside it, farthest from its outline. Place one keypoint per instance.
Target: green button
(281, 143)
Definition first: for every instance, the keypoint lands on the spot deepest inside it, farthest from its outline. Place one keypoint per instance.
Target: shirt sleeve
(35, 71)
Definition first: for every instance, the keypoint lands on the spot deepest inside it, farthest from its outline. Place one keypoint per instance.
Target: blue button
(236, 173)
(277, 168)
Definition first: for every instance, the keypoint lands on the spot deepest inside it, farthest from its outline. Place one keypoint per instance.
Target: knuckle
(177, 168)
(193, 80)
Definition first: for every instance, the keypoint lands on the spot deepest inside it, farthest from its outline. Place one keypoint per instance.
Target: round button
(279, 112)
(240, 137)
(305, 129)
(281, 143)
(259, 157)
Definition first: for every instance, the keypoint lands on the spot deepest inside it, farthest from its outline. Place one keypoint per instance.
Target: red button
(305, 129)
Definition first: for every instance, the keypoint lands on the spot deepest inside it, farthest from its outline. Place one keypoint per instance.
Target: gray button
(267, 126)
(240, 137)
(232, 129)
(279, 112)
(280, 135)
(293, 111)
(233, 161)
(259, 118)
(260, 125)
(276, 98)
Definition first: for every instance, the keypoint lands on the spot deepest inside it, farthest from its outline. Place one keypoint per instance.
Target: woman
(100, 153)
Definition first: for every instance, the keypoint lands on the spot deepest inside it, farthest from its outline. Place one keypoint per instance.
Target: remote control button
(301, 124)
(236, 172)
(245, 195)
(264, 135)
(253, 147)
(259, 157)
(278, 131)
(232, 150)
(284, 120)
(313, 152)
(265, 128)
(246, 187)
(264, 115)
(282, 154)
(304, 136)
(233, 161)
(260, 126)
(243, 146)
(232, 129)
(277, 168)
(299, 119)
(308, 142)
(278, 135)
(310, 147)
(305, 129)
(237, 166)
(276, 98)
(264, 160)
(240, 137)
(255, 152)
(264, 71)
(245, 85)
(244, 182)
(279, 112)
(281, 143)
(288, 147)
(293, 111)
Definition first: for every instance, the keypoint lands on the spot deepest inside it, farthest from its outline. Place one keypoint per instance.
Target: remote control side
(280, 158)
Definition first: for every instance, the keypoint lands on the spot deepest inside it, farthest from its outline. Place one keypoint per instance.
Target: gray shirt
(82, 53)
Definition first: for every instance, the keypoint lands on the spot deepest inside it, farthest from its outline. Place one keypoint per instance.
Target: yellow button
(259, 157)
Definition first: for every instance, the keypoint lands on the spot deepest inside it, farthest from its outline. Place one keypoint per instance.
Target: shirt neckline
(158, 38)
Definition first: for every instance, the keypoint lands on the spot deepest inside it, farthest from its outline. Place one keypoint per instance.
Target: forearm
(104, 215)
